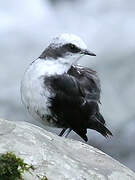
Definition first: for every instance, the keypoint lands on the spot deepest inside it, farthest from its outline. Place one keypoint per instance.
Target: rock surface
(56, 157)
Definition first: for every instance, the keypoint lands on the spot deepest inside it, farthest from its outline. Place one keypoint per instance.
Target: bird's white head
(66, 48)
(65, 38)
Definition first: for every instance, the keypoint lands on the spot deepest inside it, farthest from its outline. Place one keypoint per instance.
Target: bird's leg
(67, 132)
(62, 132)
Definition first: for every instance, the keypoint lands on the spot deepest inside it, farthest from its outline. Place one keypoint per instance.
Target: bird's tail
(99, 126)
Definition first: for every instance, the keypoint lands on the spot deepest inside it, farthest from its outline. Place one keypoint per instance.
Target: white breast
(34, 93)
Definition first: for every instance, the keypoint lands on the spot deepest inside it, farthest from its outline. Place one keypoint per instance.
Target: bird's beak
(86, 52)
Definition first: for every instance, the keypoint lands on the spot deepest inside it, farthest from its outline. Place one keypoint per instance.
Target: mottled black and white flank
(62, 94)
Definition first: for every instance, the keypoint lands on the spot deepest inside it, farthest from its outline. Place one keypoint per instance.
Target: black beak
(86, 52)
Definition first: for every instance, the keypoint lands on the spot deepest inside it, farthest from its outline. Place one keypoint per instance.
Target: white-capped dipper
(62, 94)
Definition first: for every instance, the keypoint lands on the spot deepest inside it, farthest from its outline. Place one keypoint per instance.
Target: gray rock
(56, 157)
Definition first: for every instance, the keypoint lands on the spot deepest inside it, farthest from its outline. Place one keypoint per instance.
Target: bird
(60, 93)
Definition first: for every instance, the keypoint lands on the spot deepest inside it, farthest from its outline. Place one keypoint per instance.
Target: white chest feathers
(35, 95)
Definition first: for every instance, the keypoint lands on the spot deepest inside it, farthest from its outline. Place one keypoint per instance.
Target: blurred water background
(107, 27)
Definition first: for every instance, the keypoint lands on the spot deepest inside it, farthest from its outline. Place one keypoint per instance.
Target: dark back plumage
(75, 101)
(88, 80)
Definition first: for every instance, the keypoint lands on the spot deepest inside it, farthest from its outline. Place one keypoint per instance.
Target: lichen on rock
(12, 167)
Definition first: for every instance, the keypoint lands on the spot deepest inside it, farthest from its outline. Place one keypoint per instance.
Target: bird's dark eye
(72, 46)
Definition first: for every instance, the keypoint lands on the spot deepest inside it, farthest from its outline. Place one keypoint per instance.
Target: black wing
(88, 79)
(75, 101)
